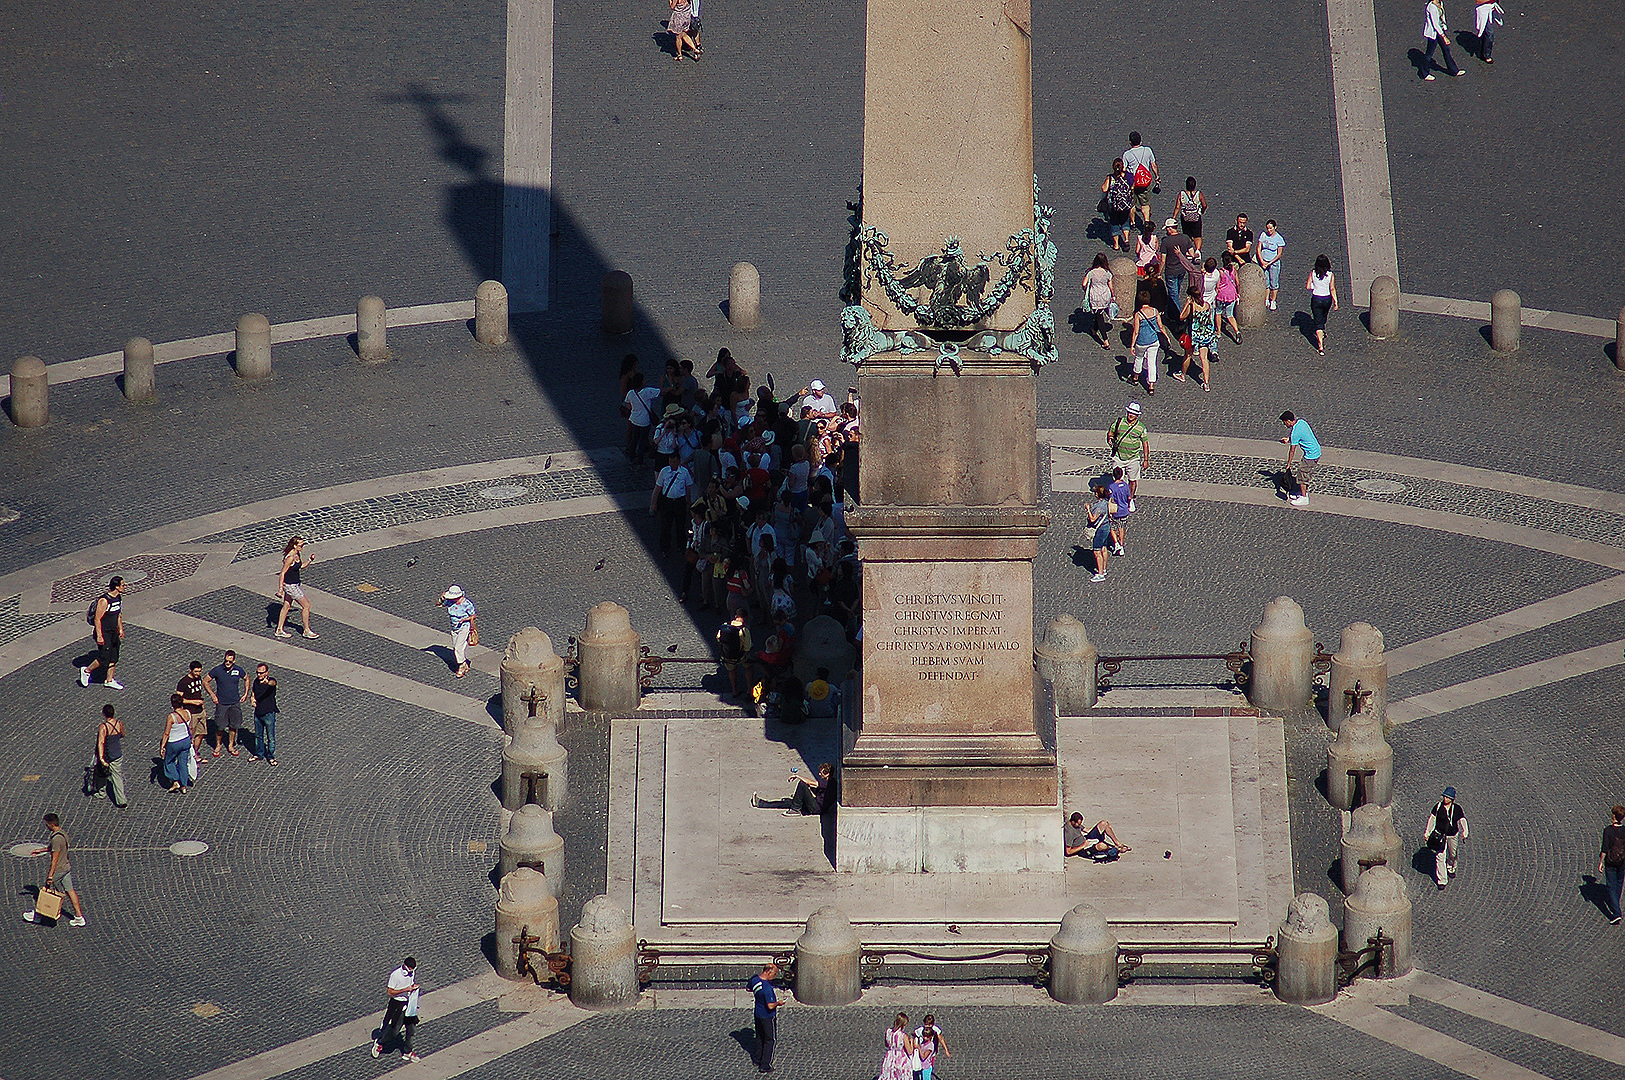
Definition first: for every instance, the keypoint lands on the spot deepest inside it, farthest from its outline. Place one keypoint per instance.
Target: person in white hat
(819, 400)
(1130, 445)
(463, 630)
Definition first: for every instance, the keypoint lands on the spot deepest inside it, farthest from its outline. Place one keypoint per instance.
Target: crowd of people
(751, 490)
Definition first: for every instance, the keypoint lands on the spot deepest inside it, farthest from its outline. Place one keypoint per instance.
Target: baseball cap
(1134, 408)
(1170, 224)
(816, 384)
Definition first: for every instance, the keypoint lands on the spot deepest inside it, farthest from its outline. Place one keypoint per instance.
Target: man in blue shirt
(1301, 445)
(766, 1014)
(1121, 497)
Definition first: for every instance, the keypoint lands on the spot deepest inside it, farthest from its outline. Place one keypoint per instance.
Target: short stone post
(1384, 307)
(608, 651)
(531, 841)
(140, 372)
(1251, 293)
(1083, 959)
(1125, 280)
(253, 347)
(1506, 320)
(1369, 839)
(30, 392)
(525, 905)
(1619, 340)
(531, 667)
(1361, 750)
(371, 334)
(744, 296)
(534, 766)
(1066, 660)
(1378, 903)
(1283, 651)
(604, 957)
(615, 302)
(1306, 953)
(822, 644)
(828, 957)
(1358, 681)
(491, 314)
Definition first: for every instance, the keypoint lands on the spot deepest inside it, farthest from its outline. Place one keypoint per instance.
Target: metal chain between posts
(1107, 666)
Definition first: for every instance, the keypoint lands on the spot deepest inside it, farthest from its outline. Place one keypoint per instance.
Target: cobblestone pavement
(340, 161)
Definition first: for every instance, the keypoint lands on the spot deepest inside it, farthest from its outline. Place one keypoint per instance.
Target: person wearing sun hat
(461, 611)
(1130, 445)
(815, 397)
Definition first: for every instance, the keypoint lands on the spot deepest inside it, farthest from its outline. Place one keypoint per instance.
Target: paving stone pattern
(1570, 635)
(14, 624)
(322, 871)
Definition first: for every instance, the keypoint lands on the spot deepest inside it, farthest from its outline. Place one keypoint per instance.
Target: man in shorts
(60, 872)
(1301, 445)
(228, 687)
(190, 688)
(1135, 158)
(1118, 493)
(1270, 246)
(1099, 843)
(1130, 445)
(107, 617)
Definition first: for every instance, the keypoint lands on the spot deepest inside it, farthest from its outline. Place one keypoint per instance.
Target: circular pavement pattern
(1375, 486)
(186, 849)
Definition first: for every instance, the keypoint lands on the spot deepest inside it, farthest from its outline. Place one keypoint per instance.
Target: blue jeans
(1614, 877)
(265, 735)
(1176, 289)
(1443, 46)
(175, 761)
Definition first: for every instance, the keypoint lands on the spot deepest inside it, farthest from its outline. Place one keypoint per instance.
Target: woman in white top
(176, 745)
(1322, 286)
(1097, 298)
(1437, 35)
(1487, 17)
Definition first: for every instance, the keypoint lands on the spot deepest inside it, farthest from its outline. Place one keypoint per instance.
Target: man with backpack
(1611, 862)
(106, 618)
(733, 645)
(1141, 166)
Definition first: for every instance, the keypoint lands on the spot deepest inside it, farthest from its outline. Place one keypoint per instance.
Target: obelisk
(953, 276)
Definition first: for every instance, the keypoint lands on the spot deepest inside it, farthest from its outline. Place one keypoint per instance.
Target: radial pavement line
(1508, 624)
(527, 155)
(1435, 1046)
(1506, 683)
(1362, 144)
(1520, 1018)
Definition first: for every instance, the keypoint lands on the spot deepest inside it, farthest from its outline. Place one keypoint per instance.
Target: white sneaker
(29, 916)
(77, 920)
(1131, 506)
(410, 1057)
(114, 684)
(84, 676)
(1298, 500)
(377, 1049)
(1098, 577)
(1428, 77)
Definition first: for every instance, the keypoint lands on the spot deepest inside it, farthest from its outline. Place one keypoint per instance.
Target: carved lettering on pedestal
(948, 637)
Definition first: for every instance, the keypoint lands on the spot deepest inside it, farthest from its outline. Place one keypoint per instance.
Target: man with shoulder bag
(1446, 828)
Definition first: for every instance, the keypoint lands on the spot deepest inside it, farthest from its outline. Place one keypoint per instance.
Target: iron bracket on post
(1353, 963)
(558, 963)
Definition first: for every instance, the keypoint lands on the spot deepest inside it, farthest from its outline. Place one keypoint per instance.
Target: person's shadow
(1596, 892)
(1304, 323)
(746, 1038)
(665, 40)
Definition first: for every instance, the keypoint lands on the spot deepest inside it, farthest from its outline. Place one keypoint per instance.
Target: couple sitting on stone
(1098, 843)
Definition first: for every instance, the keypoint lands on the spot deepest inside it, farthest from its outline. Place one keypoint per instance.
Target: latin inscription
(947, 636)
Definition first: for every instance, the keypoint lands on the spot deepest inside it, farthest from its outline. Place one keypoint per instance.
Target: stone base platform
(1200, 799)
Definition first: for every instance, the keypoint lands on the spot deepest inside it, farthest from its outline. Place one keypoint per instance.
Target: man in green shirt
(1130, 445)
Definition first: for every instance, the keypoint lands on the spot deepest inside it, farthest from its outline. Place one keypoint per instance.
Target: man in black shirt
(1446, 828)
(1239, 241)
(1611, 862)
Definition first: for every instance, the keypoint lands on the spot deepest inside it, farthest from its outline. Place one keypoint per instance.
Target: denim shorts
(1272, 275)
(1227, 309)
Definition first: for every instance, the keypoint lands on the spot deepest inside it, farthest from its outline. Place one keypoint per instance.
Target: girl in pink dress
(899, 1046)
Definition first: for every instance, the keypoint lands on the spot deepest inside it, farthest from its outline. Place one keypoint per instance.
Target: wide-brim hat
(674, 410)
(453, 593)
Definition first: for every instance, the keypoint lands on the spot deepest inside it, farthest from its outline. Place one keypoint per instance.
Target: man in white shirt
(669, 503)
(639, 407)
(816, 398)
(1135, 158)
(402, 990)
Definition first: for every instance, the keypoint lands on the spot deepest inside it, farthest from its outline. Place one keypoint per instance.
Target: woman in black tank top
(289, 590)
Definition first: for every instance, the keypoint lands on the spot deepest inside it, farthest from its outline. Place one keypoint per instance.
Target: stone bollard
(30, 392)
(1283, 651)
(371, 333)
(525, 904)
(1369, 838)
(1619, 340)
(828, 956)
(1083, 959)
(1359, 746)
(615, 302)
(1384, 307)
(608, 651)
(491, 314)
(140, 372)
(1125, 280)
(1506, 318)
(531, 841)
(822, 644)
(744, 296)
(1066, 660)
(253, 347)
(1359, 676)
(1378, 902)
(604, 957)
(1251, 293)
(1306, 956)
(530, 664)
(535, 768)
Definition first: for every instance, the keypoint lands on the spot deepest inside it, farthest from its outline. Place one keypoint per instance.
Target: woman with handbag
(1198, 315)
(900, 1047)
(464, 631)
(929, 1043)
(1097, 298)
(1147, 333)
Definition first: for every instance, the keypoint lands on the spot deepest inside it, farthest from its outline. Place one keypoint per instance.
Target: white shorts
(295, 593)
(1131, 467)
(1145, 359)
